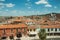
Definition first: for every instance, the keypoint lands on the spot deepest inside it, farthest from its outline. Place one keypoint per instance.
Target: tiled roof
(50, 26)
(32, 27)
(13, 26)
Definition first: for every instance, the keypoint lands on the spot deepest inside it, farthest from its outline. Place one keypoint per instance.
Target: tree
(42, 34)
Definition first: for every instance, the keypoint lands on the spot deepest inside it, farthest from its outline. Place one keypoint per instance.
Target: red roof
(50, 26)
(13, 26)
(32, 27)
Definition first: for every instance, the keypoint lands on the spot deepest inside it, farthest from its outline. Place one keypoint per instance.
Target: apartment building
(9, 29)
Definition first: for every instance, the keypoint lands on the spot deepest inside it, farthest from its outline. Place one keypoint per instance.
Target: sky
(28, 7)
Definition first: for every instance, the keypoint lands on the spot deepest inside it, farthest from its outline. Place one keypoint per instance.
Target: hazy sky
(28, 7)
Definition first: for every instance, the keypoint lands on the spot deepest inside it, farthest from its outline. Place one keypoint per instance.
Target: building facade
(13, 29)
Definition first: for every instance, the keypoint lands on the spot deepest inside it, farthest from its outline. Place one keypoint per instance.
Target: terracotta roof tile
(32, 27)
(50, 26)
(13, 26)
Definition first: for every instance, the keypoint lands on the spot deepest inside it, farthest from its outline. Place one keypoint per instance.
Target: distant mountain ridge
(31, 16)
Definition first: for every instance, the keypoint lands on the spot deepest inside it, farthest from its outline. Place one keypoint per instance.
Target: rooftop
(13, 26)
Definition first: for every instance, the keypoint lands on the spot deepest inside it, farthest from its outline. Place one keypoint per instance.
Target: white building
(52, 30)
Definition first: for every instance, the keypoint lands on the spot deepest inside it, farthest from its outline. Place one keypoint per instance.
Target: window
(46, 21)
(4, 31)
(34, 29)
(24, 29)
(51, 29)
(11, 37)
(55, 29)
(20, 28)
(59, 29)
(16, 30)
(48, 29)
(30, 29)
(11, 30)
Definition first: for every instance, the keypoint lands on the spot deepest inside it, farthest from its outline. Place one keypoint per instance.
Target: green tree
(42, 34)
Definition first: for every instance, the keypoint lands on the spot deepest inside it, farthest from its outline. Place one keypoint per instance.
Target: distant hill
(4, 18)
(44, 15)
